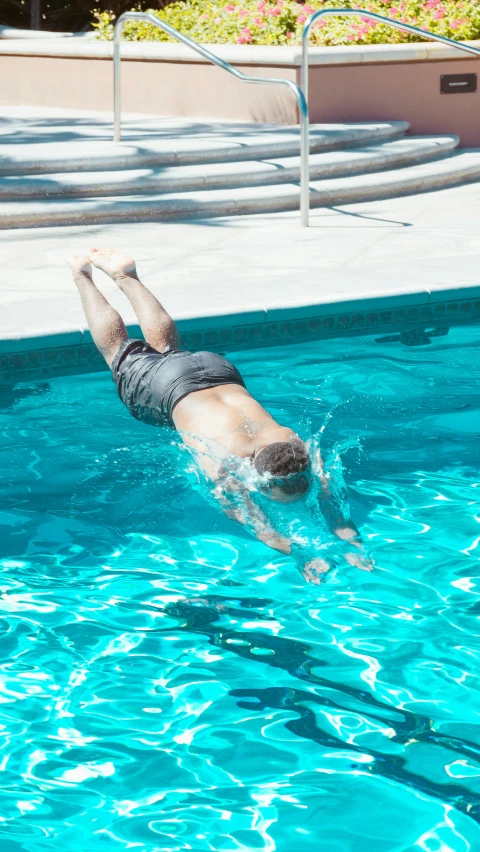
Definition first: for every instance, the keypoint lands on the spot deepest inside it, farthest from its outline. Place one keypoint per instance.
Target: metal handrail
(152, 19)
(305, 137)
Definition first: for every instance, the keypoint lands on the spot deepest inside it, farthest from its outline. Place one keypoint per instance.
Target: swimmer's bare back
(223, 422)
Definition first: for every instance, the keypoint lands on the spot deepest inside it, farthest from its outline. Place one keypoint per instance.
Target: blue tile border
(50, 361)
(362, 304)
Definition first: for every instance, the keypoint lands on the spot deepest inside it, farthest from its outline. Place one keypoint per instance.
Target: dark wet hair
(288, 465)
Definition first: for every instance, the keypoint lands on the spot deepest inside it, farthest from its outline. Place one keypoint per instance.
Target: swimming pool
(168, 683)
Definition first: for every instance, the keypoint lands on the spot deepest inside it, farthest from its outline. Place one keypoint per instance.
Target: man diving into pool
(203, 396)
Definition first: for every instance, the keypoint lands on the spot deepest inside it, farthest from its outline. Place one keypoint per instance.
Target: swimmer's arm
(342, 526)
(332, 510)
(238, 505)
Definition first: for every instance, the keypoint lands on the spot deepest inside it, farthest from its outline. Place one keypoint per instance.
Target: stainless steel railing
(300, 92)
(305, 141)
(278, 81)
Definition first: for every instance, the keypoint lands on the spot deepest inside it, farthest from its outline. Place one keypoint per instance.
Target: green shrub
(281, 21)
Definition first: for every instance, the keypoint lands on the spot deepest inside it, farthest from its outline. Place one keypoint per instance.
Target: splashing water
(169, 683)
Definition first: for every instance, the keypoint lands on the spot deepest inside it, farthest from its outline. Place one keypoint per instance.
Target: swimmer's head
(285, 468)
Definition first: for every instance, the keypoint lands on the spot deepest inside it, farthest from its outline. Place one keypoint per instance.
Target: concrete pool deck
(243, 282)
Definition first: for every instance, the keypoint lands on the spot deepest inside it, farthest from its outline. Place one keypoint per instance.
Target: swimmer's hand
(359, 560)
(315, 571)
(349, 533)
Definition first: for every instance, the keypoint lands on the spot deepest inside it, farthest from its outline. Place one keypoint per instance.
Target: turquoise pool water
(168, 683)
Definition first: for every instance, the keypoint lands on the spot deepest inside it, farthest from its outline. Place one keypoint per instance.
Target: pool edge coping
(72, 335)
(69, 349)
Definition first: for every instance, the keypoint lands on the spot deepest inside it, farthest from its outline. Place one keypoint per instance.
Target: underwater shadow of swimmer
(294, 657)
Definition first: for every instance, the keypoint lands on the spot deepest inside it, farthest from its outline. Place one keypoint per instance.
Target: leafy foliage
(281, 21)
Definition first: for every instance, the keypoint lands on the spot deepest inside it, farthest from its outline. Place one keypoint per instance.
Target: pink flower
(439, 14)
(240, 40)
(289, 35)
(301, 19)
(246, 34)
(352, 37)
(242, 13)
(319, 25)
(309, 10)
(276, 11)
(258, 22)
(229, 7)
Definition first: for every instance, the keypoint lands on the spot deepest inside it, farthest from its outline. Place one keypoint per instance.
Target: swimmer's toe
(79, 263)
(113, 263)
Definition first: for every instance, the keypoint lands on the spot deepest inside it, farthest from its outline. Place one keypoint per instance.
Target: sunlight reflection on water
(168, 683)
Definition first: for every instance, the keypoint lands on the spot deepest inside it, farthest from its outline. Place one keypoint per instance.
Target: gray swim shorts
(150, 383)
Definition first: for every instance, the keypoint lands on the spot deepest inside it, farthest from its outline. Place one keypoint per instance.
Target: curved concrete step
(460, 167)
(223, 145)
(395, 154)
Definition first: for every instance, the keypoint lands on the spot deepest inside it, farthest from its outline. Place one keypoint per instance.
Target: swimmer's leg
(105, 323)
(157, 325)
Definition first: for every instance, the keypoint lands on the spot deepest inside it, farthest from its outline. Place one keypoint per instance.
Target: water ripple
(168, 683)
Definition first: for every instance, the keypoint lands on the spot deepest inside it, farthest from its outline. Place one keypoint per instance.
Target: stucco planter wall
(346, 83)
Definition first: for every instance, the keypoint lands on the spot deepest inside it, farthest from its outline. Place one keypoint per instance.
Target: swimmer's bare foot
(80, 266)
(315, 571)
(114, 263)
